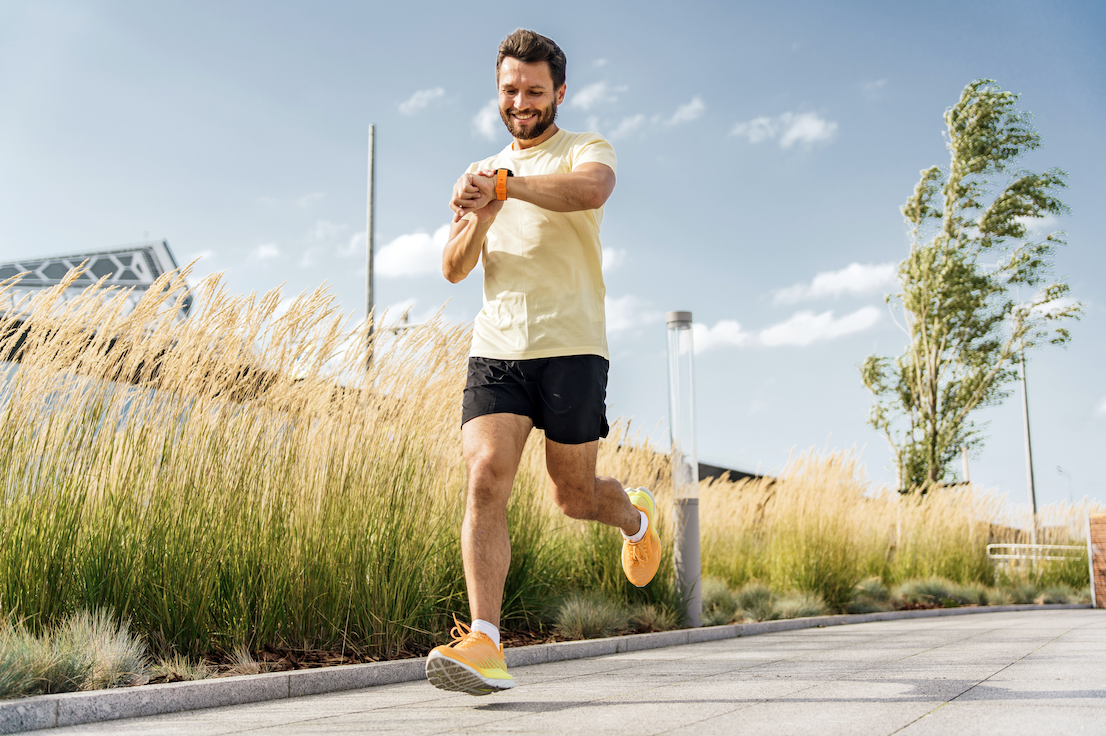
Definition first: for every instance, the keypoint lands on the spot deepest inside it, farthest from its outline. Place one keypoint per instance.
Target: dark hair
(531, 47)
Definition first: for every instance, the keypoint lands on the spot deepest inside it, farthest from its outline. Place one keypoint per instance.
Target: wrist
(501, 176)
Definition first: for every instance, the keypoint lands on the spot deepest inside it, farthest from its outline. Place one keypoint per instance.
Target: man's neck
(519, 145)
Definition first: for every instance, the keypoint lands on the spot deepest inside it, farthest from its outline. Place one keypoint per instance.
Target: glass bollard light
(685, 464)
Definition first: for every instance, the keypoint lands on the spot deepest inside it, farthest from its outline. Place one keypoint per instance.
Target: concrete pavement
(1031, 672)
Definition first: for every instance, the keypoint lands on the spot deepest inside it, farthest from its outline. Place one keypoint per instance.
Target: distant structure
(708, 472)
(127, 266)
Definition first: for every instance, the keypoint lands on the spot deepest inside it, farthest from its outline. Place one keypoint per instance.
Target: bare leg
(583, 495)
(493, 447)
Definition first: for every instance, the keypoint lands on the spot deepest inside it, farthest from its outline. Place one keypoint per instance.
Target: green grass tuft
(590, 616)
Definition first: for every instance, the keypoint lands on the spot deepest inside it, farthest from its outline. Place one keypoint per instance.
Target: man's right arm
(466, 240)
(470, 227)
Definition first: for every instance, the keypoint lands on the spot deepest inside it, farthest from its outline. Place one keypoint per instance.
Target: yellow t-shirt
(543, 275)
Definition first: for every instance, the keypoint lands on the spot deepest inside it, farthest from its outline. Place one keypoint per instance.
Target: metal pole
(1090, 560)
(964, 457)
(685, 465)
(369, 249)
(1028, 451)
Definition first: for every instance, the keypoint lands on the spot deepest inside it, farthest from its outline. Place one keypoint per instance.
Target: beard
(538, 125)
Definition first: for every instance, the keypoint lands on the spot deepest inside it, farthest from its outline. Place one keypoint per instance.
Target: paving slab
(1033, 672)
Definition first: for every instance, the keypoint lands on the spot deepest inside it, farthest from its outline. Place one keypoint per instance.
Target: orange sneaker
(640, 560)
(470, 663)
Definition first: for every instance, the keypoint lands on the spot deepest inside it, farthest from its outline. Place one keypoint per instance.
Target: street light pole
(369, 249)
(1028, 452)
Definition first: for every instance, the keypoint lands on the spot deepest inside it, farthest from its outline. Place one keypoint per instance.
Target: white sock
(640, 532)
(485, 627)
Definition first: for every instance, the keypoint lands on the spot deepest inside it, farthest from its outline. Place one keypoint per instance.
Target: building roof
(128, 266)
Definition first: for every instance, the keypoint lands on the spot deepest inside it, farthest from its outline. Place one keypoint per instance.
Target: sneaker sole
(448, 674)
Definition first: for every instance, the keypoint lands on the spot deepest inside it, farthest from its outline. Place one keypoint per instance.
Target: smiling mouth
(524, 117)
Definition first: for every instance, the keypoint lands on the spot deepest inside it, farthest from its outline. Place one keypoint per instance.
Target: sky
(764, 150)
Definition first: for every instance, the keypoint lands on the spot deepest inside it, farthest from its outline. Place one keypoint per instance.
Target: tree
(972, 254)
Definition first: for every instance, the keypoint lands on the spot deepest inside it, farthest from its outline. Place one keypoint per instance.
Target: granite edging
(70, 709)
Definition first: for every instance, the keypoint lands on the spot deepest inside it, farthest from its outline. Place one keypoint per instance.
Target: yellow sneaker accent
(640, 560)
(470, 663)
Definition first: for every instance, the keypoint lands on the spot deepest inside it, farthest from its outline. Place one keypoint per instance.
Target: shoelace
(639, 552)
(459, 632)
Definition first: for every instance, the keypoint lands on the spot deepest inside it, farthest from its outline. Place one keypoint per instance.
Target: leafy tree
(967, 329)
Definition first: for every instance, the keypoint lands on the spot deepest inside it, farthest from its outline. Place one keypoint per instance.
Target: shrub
(646, 617)
(719, 603)
(86, 651)
(1056, 594)
(801, 604)
(590, 616)
(870, 596)
(755, 601)
(1023, 592)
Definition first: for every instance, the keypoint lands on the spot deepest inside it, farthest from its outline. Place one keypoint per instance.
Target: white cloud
(687, 113)
(324, 230)
(267, 202)
(790, 128)
(856, 279)
(756, 130)
(420, 100)
(804, 328)
(309, 199)
(1100, 410)
(873, 87)
(265, 252)
(627, 126)
(595, 94)
(356, 245)
(414, 254)
(486, 122)
(1038, 226)
(613, 258)
(1054, 307)
(725, 332)
(598, 63)
(627, 312)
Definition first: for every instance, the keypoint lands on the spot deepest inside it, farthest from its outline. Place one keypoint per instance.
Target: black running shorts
(566, 396)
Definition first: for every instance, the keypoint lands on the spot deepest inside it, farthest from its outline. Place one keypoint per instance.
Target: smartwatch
(501, 183)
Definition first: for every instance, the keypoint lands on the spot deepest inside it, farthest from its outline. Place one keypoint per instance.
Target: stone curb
(70, 709)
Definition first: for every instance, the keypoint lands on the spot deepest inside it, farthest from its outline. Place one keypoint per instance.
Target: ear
(561, 94)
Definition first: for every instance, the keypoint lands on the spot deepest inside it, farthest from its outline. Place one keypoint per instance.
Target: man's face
(527, 100)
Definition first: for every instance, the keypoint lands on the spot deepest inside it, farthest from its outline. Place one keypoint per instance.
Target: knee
(489, 484)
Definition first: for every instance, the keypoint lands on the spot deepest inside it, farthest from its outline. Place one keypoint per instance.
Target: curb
(71, 709)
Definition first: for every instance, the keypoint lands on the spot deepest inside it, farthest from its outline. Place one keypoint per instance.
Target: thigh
(493, 445)
(573, 395)
(571, 468)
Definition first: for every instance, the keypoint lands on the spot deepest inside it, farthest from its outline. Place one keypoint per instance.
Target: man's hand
(474, 192)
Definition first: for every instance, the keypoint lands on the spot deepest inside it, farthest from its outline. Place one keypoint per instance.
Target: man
(539, 350)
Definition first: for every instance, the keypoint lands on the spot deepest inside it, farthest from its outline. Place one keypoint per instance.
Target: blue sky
(764, 151)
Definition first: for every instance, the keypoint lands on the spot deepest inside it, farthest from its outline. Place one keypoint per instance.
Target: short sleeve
(593, 148)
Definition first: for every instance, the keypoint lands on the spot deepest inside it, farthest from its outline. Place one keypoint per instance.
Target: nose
(521, 100)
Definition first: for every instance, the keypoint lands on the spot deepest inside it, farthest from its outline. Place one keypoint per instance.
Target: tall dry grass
(238, 479)
(823, 527)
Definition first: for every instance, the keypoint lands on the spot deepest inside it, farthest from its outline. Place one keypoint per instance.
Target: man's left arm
(587, 187)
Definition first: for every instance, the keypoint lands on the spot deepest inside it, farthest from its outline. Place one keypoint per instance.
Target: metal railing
(1034, 551)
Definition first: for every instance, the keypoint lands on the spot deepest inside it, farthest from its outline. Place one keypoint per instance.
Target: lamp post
(685, 464)
(369, 250)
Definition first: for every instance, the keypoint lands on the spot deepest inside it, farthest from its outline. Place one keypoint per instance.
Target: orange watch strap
(501, 184)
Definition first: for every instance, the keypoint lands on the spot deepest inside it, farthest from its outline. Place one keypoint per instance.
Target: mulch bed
(276, 659)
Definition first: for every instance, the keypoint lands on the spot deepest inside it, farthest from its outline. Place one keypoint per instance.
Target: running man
(539, 349)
